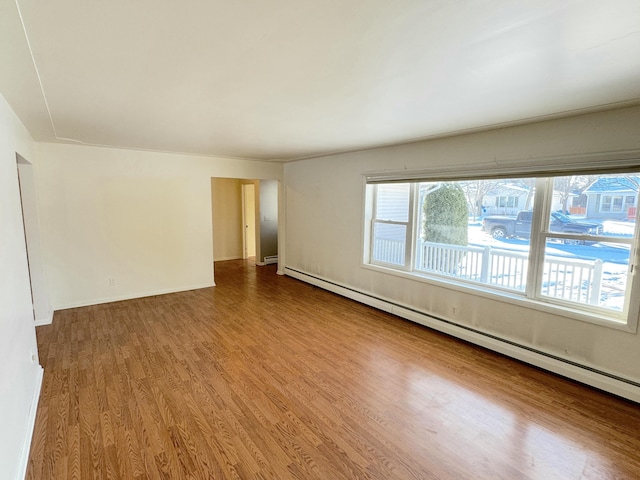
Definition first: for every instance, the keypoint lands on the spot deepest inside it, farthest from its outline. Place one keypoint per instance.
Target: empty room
(319, 240)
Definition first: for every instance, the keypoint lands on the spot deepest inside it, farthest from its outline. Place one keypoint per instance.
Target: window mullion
(412, 230)
(373, 222)
(631, 303)
(541, 211)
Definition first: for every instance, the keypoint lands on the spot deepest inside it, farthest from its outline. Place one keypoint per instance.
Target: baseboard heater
(608, 382)
(269, 259)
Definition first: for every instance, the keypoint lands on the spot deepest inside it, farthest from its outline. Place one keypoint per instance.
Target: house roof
(614, 184)
(509, 189)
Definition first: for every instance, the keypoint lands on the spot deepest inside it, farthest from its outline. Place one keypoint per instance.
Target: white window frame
(409, 225)
(510, 201)
(629, 204)
(532, 297)
(615, 207)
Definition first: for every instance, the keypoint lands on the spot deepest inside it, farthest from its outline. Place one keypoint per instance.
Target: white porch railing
(481, 264)
(574, 280)
(388, 251)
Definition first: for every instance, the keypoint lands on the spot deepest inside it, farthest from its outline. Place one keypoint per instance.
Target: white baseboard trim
(98, 301)
(586, 374)
(48, 320)
(31, 423)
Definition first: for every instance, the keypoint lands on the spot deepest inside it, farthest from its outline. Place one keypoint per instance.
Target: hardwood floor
(266, 377)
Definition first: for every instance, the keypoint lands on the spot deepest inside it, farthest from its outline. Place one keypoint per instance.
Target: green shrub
(446, 215)
(445, 220)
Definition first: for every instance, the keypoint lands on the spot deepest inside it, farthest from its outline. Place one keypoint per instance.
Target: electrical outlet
(454, 311)
(112, 282)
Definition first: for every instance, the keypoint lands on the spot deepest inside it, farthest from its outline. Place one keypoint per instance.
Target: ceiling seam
(35, 66)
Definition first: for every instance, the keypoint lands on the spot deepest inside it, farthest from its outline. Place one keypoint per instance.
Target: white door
(249, 219)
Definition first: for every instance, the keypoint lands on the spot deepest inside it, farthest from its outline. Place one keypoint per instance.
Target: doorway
(238, 231)
(41, 310)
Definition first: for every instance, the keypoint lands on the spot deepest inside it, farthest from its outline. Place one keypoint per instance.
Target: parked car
(520, 226)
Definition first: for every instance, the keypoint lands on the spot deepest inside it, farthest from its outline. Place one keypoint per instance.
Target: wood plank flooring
(265, 377)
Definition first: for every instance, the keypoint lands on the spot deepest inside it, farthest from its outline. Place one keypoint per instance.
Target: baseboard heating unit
(268, 260)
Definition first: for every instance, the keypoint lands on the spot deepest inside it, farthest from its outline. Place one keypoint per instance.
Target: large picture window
(460, 231)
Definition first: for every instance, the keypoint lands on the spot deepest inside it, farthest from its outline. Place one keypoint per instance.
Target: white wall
(324, 212)
(20, 373)
(140, 218)
(226, 204)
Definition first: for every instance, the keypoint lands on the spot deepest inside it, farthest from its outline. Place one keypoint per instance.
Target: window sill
(614, 322)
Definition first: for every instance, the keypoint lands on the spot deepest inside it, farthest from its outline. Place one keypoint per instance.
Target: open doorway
(41, 310)
(238, 230)
(267, 222)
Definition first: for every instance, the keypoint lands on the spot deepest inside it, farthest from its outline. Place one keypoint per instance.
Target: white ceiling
(286, 79)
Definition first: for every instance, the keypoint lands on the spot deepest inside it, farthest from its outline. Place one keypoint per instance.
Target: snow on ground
(613, 227)
(615, 256)
(607, 252)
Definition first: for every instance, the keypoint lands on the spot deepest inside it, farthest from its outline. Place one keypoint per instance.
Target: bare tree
(571, 185)
(530, 185)
(474, 191)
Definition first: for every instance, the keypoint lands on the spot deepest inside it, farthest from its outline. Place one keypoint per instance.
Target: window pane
(589, 274)
(389, 243)
(443, 229)
(507, 235)
(393, 202)
(462, 248)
